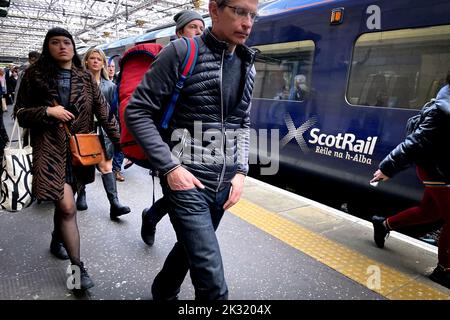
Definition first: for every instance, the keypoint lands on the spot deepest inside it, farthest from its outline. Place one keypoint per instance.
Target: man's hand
(379, 176)
(60, 113)
(237, 184)
(181, 179)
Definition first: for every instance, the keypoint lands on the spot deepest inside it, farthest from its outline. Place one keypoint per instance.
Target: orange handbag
(86, 148)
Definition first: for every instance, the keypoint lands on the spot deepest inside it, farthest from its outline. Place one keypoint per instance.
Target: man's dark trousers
(195, 215)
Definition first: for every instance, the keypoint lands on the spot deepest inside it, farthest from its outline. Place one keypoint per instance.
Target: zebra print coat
(48, 137)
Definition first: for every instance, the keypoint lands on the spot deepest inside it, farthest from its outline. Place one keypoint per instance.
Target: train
(336, 82)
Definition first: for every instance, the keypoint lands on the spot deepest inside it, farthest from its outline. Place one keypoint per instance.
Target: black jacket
(428, 146)
(219, 149)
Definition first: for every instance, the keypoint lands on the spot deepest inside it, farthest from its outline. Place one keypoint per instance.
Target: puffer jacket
(212, 145)
(428, 146)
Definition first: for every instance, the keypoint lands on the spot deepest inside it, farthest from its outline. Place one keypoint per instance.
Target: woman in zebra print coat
(54, 91)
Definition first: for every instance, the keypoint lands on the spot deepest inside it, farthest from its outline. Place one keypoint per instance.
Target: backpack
(414, 122)
(134, 63)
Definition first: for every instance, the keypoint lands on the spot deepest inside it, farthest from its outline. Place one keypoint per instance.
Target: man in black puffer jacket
(203, 156)
(428, 147)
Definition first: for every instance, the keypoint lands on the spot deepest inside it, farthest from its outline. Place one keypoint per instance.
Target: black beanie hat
(182, 18)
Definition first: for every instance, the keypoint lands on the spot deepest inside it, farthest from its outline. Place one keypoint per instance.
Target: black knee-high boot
(117, 209)
(81, 198)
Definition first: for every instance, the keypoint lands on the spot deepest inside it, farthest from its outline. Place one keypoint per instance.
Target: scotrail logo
(297, 133)
(210, 146)
(343, 145)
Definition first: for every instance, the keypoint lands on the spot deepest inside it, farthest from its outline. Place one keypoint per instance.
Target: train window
(399, 69)
(283, 70)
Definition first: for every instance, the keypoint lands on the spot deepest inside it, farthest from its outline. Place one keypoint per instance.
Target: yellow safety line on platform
(378, 277)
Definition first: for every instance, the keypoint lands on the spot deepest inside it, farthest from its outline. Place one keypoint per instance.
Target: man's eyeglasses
(242, 13)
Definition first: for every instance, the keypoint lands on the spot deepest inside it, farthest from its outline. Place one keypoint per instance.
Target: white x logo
(297, 133)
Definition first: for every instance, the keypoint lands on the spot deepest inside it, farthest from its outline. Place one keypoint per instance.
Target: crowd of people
(58, 87)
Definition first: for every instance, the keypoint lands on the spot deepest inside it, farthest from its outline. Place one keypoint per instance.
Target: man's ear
(213, 11)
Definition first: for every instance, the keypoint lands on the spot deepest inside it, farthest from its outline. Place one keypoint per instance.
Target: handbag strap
(69, 134)
(67, 130)
(19, 138)
(29, 137)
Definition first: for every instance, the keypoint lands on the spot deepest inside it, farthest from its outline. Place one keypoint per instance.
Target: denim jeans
(117, 161)
(195, 215)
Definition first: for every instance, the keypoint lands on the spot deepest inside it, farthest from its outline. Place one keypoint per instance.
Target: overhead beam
(28, 20)
(141, 6)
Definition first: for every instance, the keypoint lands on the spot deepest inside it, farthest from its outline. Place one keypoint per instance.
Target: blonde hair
(104, 71)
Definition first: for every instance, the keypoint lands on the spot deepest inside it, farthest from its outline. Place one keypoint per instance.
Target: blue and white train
(336, 82)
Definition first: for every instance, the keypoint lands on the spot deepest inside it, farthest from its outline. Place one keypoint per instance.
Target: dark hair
(33, 54)
(46, 65)
(221, 3)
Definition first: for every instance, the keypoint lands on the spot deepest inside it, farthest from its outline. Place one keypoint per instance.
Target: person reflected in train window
(300, 90)
(189, 24)
(426, 148)
(56, 91)
(95, 62)
(284, 92)
(381, 99)
(199, 189)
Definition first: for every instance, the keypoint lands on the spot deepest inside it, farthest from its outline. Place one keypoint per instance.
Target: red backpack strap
(186, 70)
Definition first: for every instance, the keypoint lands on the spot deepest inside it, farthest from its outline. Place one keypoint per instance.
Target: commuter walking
(3, 90)
(56, 91)
(33, 57)
(426, 147)
(118, 154)
(95, 61)
(112, 70)
(201, 184)
(4, 139)
(11, 83)
(188, 24)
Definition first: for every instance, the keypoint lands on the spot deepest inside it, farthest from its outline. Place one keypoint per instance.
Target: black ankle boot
(148, 227)
(81, 199)
(85, 282)
(57, 248)
(379, 231)
(117, 209)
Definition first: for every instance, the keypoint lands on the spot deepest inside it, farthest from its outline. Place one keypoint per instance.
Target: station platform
(275, 245)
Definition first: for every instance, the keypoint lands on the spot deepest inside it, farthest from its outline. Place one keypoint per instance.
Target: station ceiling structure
(91, 22)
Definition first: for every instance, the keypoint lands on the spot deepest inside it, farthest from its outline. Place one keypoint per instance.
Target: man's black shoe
(57, 248)
(379, 231)
(441, 276)
(148, 228)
